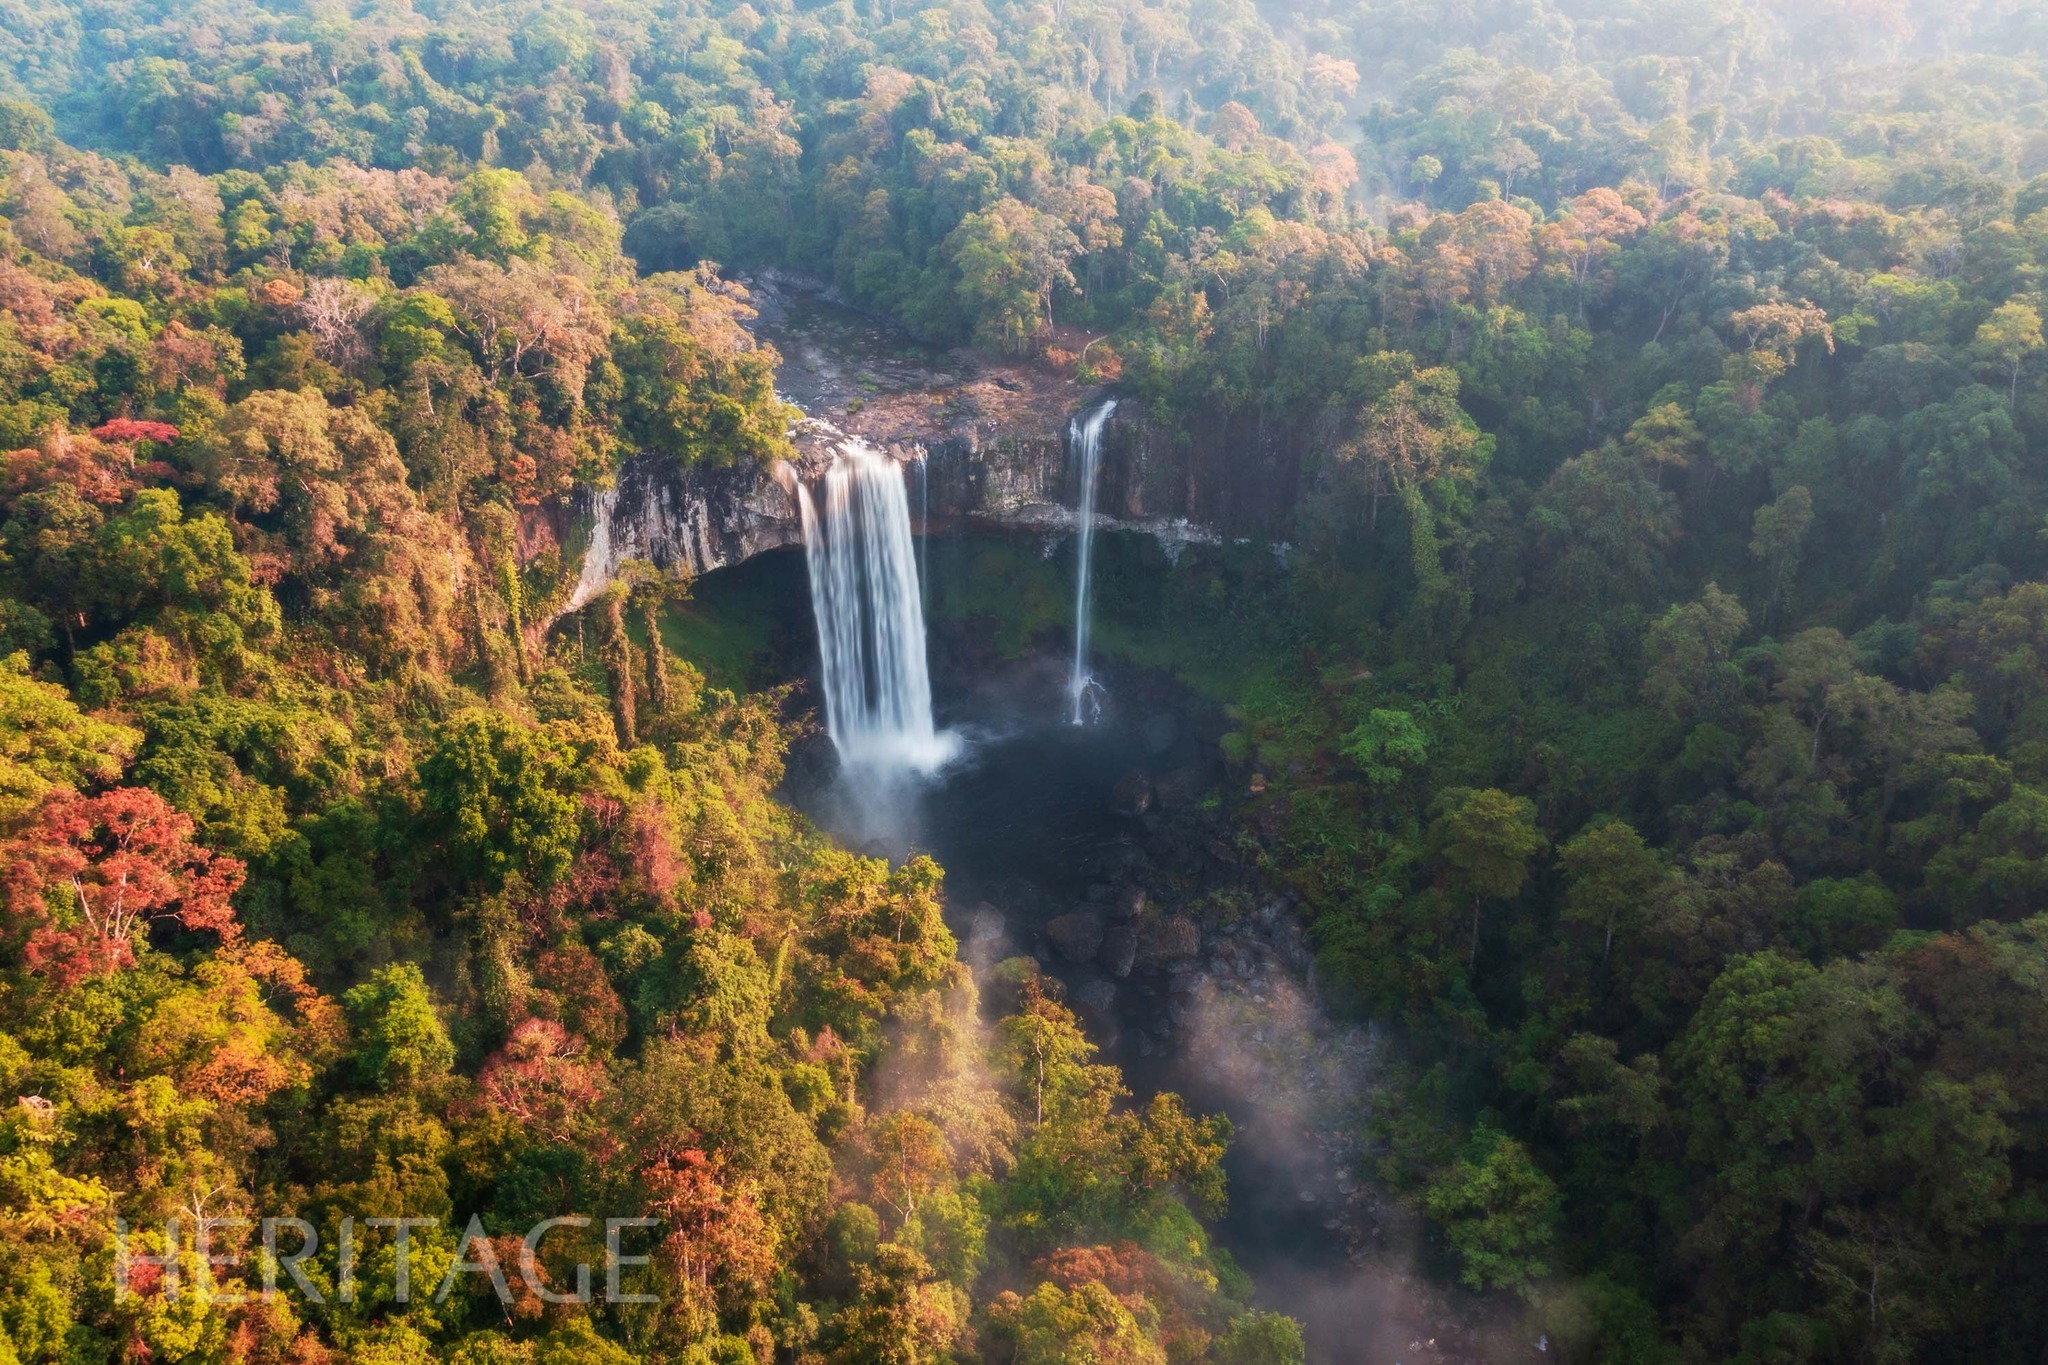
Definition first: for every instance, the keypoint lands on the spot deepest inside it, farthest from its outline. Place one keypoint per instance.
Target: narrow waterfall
(865, 595)
(924, 526)
(1085, 434)
(597, 558)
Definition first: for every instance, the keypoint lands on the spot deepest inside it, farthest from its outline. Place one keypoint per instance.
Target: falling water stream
(870, 615)
(597, 557)
(1085, 431)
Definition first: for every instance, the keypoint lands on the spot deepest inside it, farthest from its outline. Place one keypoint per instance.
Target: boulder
(1167, 939)
(1119, 950)
(1077, 937)
(1132, 795)
(985, 925)
(1096, 997)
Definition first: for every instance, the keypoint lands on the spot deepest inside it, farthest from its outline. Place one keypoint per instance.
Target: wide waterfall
(865, 595)
(1085, 432)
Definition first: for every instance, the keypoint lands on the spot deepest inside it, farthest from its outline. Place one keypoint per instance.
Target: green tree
(1499, 1212)
(2006, 339)
(1484, 838)
(1387, 745)
(1776, 535)
(1011, 259)
(1689, 655)
(1612, 875)
(1055, 1326)
(1261, 1339)
(401, 1043)
(500, 798)
(46, 742)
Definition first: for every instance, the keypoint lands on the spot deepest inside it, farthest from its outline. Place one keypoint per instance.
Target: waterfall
(924, 528)
(597, 558)
(1085, 433)
(865, 595)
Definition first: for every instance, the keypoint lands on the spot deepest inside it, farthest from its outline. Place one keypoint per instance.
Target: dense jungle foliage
(1653, 714)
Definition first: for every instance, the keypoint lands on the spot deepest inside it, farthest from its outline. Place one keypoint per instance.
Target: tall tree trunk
(618, 665)
(657, 659)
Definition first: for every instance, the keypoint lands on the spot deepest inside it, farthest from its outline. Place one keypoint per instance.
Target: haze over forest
(1559, 808)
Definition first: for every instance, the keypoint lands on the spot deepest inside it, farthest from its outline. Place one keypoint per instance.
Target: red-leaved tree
(90, 873)
(126, 431)
(542, 1078)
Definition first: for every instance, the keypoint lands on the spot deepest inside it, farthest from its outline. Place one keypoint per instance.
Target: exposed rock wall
(1237, 479)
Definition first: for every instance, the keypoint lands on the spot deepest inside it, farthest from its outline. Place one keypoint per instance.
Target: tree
(1494, 236)
(697, 386)
(1412, 431)
(1498, 1211)
(1589, 231)
(1011, 257)
(87, 875)
(523, 318)
(401, 1044)
(901, 1315)
(334, 310)
(1483, 840)
(1055, 1326)
(1612, 874)
(1777, 532)
(46, 742)
(1261, 1339)
(1689, 655)
(1386, 745)
(499, 797)
(2006, 339)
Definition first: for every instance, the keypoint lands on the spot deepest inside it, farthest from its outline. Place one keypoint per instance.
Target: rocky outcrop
(990, 440)
(697, 518)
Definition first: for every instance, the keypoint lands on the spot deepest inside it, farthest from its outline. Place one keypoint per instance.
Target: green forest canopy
(1654, 720)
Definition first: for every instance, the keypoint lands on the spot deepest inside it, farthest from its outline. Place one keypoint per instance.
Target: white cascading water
(1085, 431)
(597, 558)
(865, 595)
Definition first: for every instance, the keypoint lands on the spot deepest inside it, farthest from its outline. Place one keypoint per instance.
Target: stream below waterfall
(1103, 853)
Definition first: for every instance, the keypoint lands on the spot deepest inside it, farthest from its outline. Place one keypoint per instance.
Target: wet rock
(1168, 939)
(985, 925)
(1131, 902)
(1182, 789)
(1290, 945)
(1119, 951)
(1132, 795)
(1078, 936)
(1096, 997)
(1130, 863)
(1232, 958)
(1160, 732)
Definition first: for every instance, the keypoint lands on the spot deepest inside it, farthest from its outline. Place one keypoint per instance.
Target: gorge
(1097, 857)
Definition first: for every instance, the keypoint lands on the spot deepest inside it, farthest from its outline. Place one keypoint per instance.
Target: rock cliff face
(992, 439)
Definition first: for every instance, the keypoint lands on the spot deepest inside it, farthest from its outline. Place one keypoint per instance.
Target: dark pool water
(1027, 824)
